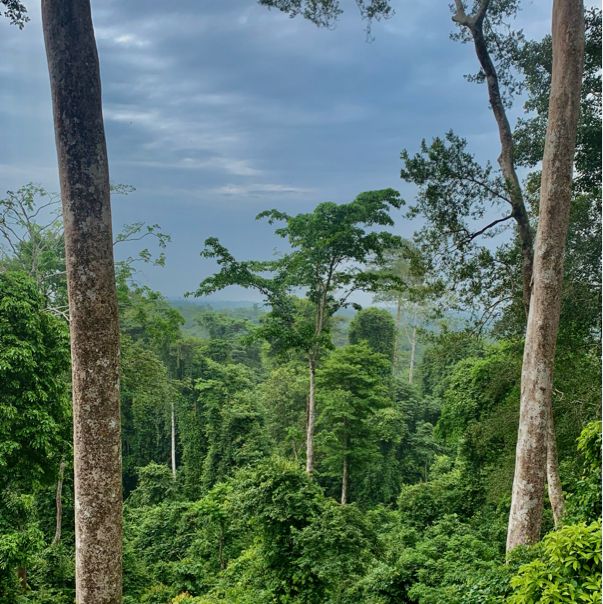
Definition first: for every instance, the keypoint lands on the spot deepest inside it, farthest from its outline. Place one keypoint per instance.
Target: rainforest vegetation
(311, 447)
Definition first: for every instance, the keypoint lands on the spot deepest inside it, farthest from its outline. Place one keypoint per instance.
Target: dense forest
(309, 446)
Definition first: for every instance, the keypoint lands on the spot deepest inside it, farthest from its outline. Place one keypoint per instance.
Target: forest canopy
(359, 428)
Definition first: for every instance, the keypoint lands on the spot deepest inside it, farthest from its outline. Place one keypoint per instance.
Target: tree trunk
(22, 576)
(474, 23)
(396, 359)
(543, 320)
(173, 414)
(413, 348)
(311, 416)
(59, 505)
(344, 480)
(552, 472)
(84, 176)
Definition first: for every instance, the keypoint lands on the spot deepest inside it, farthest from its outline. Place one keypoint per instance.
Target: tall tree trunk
(59, 505)
(311, 415)
(543, 320)
(344, 479)
(173, 416)
(413, 348)
(84, 176)
(506, 160)
(396, 358)
(552, 472)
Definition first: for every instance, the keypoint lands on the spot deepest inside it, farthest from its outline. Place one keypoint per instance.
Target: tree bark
(507, 163)
(59, 505)
(344, 480)
(413, 348)
(311, 416)
(396, 359)
(552, 472)
(543, 320)
(506, 159)
(173, 444)
(84, 176)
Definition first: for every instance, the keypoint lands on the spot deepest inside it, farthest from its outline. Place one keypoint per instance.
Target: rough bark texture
(474, 24)
(552, 472)
(84, 176)
(543, 319)
(59, 505)
(311, 416)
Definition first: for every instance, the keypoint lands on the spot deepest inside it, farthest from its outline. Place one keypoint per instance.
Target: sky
(216, 110)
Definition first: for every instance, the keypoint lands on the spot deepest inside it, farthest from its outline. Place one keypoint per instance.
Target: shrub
(568, 570)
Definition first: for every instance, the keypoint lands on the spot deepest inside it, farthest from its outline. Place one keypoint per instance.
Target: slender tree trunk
(173, 415)
(552, 472)
(543, 319)
(84, 176)
(396, 359)
(413, 348)
(506, 160)
(22, 576)
(311, 415)
(344, 480)
(474, 23)
(59, 505)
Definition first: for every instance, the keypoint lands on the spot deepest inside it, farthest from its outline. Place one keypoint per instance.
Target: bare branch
(489, 226)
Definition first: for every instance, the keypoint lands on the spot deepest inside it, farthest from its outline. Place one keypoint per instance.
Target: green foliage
(445, 350)
(229, 419)
(376, 327)
(567, 568)
(155, 485)
(584, 502)
(283, 397)
(146, 398)
(34, 363)
(329, 248)
(353, 387)
(535, 62)
(450, 490)
(456, 196)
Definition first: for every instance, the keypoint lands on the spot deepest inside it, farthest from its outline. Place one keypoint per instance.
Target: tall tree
(545, 306)
(331, 248)
(474, 24)
(354, 382)
(376, 327)
(94, 328)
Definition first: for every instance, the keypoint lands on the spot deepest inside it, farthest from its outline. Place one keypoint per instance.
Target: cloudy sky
(218, 109)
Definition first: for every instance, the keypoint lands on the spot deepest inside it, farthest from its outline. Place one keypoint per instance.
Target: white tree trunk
(94, 328)
(59, 505)
(543, 319)
(413, 348)
(311, 416)
(173, 416)
(344, 480)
